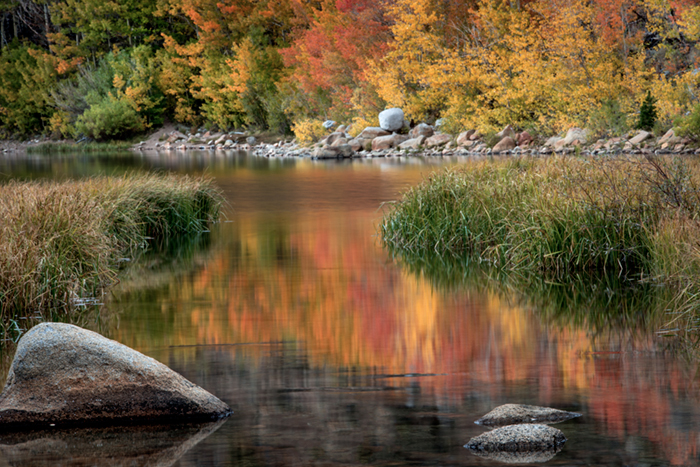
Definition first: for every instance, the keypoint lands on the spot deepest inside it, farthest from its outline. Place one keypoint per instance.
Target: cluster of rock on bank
(394, 137)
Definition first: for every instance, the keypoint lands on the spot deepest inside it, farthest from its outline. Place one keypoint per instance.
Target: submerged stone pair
(525, 439)
(63, 375)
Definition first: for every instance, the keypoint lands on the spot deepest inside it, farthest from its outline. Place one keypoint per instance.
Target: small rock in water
(510, 414)
(63, 374)
(518, 438)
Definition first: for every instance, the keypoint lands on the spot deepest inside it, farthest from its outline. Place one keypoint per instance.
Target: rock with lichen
(510, 414)
(518, 438)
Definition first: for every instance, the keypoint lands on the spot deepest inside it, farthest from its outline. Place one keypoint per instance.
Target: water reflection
(294, 313)
(157, 446)
(331, 353)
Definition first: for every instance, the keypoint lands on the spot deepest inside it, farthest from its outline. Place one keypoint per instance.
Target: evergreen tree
(647, 113)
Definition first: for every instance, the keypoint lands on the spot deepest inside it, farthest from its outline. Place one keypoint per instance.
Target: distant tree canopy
(108, 69)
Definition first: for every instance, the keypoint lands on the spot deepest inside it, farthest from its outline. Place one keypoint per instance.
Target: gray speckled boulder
(509, 414)
(63, 374)
(518, 438)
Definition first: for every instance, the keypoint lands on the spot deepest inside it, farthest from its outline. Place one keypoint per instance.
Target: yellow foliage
(309, 130)
(360, 123)
(241, 66)
(411, 74)
(175, 79)
(548, 65)
(59, 123)
(675, 95)
(691, 23)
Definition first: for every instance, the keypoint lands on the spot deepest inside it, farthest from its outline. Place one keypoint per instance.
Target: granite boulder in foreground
(510, 414)
(526, 438)
(63, 374)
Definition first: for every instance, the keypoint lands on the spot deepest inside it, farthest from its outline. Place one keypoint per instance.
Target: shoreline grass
(633, 218)
(64, 241)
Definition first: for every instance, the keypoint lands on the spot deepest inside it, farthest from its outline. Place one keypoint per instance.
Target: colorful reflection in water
(331, 353)
(308, 292)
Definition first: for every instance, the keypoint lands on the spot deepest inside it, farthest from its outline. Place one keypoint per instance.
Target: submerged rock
(509, 414)
(63, 374)
(518, 438)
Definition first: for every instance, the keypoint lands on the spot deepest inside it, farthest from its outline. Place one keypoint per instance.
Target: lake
(333, 353)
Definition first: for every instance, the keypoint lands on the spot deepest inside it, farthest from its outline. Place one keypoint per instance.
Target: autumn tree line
(106, 69)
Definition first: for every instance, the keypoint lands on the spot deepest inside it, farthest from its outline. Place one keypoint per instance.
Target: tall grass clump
(556, 217)
(63, 241)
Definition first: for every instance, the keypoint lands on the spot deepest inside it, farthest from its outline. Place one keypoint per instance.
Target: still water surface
(331, 353)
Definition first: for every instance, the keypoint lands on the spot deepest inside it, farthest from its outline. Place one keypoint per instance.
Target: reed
(634, 218)
(60, 242)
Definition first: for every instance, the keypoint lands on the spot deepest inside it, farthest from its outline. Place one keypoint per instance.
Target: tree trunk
(47, 21)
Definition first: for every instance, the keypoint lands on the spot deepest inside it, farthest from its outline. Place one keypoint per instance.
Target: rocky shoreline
(396, 137)
(340, 145)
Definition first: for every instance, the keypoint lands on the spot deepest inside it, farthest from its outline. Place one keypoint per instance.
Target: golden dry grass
(61, 241)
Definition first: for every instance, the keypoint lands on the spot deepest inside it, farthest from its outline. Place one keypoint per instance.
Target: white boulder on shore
(63, 374)
(391, 119)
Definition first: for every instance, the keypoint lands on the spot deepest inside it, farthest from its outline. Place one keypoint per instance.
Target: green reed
(633, 218)
(60, 242)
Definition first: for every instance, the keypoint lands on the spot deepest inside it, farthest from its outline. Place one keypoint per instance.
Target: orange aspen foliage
(329, 59)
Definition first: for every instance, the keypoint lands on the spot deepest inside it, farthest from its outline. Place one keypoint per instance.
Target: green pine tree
(647, 113)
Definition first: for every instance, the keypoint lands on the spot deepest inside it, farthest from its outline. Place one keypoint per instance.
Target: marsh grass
(63, 242)
(636, 219)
